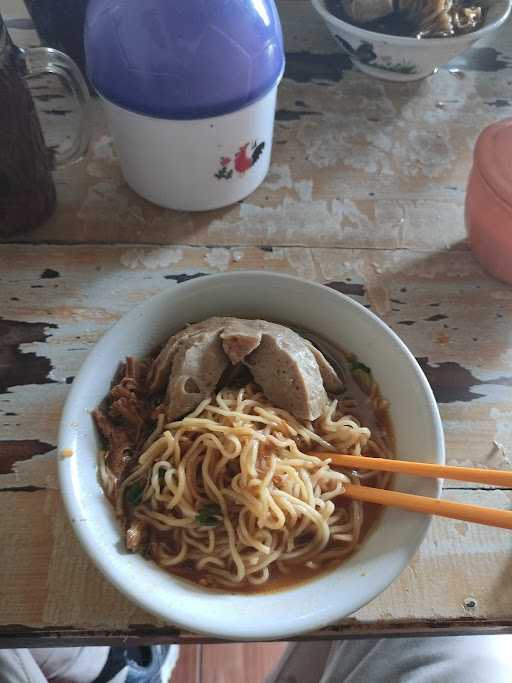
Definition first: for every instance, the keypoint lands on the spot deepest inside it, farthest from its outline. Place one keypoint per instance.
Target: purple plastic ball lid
(183, 59)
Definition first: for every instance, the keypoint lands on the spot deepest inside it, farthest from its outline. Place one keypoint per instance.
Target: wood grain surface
(365, 194)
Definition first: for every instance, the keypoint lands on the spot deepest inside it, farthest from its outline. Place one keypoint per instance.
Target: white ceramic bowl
(396, 58)
(387, 549)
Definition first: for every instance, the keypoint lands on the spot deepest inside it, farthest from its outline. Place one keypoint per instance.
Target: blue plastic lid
(183, 59)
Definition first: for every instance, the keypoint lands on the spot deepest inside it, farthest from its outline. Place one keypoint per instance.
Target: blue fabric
(150, 673)
(116, 662)
(183, 60)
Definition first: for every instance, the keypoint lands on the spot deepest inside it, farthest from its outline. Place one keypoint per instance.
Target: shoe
(153, 664)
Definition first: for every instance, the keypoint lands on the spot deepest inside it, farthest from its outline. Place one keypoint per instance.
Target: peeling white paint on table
(366, 193)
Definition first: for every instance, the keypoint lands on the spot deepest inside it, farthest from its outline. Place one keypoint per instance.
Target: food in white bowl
(225, 602)
(210, 460)
(405, 40)
(413, 18)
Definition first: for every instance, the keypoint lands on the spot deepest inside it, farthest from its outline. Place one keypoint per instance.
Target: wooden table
(365, 193)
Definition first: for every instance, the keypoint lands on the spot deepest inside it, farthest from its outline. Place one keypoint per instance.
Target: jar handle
(46, 60)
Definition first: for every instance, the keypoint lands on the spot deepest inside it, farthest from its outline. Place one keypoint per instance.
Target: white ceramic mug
(198, 164)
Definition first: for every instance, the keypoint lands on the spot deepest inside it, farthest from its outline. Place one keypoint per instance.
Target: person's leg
(89, 665)
(156, 669)
(470, 659)
(18, 666)
(77, 664)
(71, 664)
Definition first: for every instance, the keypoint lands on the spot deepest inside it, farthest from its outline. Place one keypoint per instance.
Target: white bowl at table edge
(302, 608)
(395, 52)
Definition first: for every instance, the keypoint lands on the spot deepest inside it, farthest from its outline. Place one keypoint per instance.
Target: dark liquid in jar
(27, 192)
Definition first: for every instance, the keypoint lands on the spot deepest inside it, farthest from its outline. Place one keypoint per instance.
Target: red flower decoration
(224, 161)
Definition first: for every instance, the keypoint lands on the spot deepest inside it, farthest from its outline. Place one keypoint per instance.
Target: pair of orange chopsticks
(429, 506)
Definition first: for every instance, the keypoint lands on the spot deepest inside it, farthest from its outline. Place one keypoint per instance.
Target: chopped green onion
(357, 365)
(209, 515)
(134, 494)
(364, 379)
(362, 374)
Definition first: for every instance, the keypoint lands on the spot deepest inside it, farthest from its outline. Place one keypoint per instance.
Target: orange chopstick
(420, 469)
(431, 506)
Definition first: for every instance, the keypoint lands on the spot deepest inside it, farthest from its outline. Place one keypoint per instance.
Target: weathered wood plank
(73, 294)
(365, 193)
(356, 163)
(454, 318)
(441, 586)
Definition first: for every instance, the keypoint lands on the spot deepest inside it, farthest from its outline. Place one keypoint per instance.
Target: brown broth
(278, 582)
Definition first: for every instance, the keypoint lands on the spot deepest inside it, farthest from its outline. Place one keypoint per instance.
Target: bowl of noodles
(405, 40)
(200, 428)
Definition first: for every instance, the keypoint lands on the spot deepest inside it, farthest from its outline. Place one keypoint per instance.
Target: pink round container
(489, 200)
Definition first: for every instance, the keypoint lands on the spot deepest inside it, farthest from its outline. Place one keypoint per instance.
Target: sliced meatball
(291, 371)
(362, 11)
(196, 370)
(240, 338)
(162, 365)
(332, 382)
(287, 371)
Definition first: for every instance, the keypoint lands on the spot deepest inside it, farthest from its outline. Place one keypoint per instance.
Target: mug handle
(46, 60)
